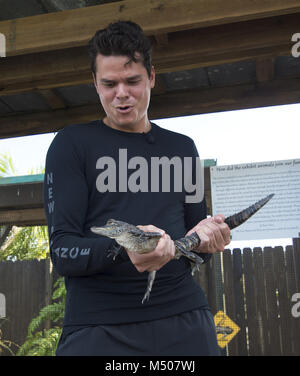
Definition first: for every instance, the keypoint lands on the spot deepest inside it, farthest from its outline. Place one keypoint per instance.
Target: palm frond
(6, 166)
(44, 342)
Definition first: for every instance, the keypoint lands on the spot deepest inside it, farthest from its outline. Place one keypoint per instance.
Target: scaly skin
(136, 240)
(192, 241)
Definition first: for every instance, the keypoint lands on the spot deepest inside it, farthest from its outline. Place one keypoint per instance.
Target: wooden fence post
(296, 260)
(296, 255)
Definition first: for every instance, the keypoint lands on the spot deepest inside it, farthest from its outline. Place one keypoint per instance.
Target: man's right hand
(162, 254)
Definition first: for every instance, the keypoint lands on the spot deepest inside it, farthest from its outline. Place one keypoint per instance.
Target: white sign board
(234, 187)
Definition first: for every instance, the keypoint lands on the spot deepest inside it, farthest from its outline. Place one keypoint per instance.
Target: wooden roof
(209, 56)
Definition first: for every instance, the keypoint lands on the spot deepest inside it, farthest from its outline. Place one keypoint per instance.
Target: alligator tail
(190, 242)
(237, 219)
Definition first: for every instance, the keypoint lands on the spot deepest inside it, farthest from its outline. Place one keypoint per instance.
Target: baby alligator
(136, 240)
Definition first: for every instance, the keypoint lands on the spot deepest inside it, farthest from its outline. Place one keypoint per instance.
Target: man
(88, 180)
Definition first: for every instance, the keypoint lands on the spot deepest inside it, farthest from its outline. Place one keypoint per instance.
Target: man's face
(124, 89)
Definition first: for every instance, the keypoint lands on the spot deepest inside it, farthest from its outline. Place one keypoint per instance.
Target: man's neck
(143, 127)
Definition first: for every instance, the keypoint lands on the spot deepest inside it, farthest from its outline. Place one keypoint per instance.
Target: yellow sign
(225, 327)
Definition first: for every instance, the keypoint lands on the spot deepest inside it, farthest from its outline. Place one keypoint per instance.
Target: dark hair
(122, 38)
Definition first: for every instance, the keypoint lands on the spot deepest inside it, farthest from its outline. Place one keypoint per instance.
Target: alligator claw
(196, 268)
(146, 297)
(114, 252)
(151, 278)
(190, 255)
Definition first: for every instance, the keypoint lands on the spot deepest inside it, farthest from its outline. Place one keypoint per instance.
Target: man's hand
(213, 233)
(163, 253)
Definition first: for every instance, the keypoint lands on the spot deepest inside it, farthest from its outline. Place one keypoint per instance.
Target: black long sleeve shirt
(87, 170)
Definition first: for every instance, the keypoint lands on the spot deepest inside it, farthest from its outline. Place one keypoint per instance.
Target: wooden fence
(254, 288)
(25, 287)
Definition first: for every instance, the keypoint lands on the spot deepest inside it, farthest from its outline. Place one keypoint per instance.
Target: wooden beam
(165, 105)
(43, 71)
(185, 50)
(40, 122)
(161, 40)
(264, 70)
(52, 99)
(239, 97)
(21, 203)
(23, 217)
(60, 30)
(227, 43)
(21, 196)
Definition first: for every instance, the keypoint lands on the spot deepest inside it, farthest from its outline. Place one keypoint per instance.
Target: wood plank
(25, 217)
(296, 261)
(53, 100)
(290, 270)
(284, 302)
(251, 306)
(273, 346)
(264, 70)
(230, 308)
(292, 289)
(45, 70)
(211, 282)
(162, 40)
(218, 293)
(189, 102)
(75, 27)
(219, 281)
(27, 195)
(257, 39)
(207, 190)
(227, 43)
(201, 101)
(296, 246)
(261, 314)
(39, 122)
(239, 301)
(23, 283)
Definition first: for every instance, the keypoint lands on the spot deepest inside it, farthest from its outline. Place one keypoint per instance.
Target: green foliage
(43, 342)
(6, 166)
(5, 344)
(25, 243)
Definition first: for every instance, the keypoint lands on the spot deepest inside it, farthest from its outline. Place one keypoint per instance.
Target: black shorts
(188, 334)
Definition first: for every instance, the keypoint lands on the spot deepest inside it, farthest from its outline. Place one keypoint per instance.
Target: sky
(231, 137)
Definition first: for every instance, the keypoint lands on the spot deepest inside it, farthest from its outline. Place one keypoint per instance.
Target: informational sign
(226, 329)
(235, 187)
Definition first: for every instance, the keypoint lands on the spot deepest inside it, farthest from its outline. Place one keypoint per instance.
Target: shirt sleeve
(66, 194)
(196, 211)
